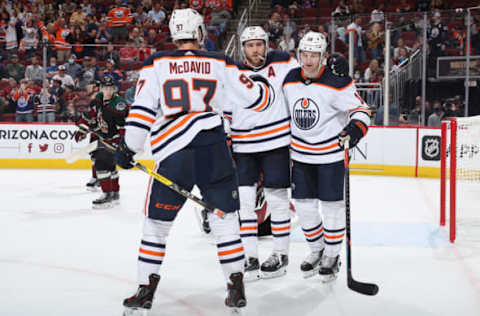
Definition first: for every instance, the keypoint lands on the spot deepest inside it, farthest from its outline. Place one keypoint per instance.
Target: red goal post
(460, 172)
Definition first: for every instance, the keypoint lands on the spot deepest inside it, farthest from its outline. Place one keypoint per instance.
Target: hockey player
(325, 110)
(260, 142)
(105, 116)
(178, 99)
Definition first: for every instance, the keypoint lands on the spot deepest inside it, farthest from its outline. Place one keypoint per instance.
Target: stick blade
(363, 288)
(82, 152)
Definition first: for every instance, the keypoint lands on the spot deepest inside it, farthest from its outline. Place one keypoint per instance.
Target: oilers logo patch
(305, 113)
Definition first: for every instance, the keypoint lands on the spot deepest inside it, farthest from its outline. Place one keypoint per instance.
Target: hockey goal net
(460, 177)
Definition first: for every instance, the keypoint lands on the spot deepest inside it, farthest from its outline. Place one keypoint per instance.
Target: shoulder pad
(329, 79)
(276, 56)
(120, 105)
(293, 75)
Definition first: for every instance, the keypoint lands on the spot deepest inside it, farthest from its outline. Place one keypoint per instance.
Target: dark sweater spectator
(73, 68)
(15, 69)
(435, 119)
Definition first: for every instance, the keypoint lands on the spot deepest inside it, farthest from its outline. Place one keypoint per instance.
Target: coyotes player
(178, 99)
(260, 142)
(325, 110)
(106, 116)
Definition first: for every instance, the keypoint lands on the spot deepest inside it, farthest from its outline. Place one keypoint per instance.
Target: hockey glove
(353, 132)
(81, 134)
(124, 156)
(338, 65)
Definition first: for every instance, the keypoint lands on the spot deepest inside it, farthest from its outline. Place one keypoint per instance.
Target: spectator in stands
(67, 112)
(375, 39)
(111, 53)
(58, 92)
(400, 44)
(393, 114)
(63, 40)
(112, 72)
(119, 19)
(356, 28)
(130, 95)
(78, 38)
(289, 26)
(342, 10)
(78, 17)
(73, 69)
(68, 7)
(52, 69)
(140, 16)
(377, 15)
(403, 7)
(358, 7)
(104, 34)
(275, 27)
(11, 42)
(371, 70)
(129, 52)
(45, 104)
(422, 5)
(154, 40)
(91, 24)
(157, 14)
(24, 103)
(134, 37)
(86, 7)
(210, 44)
(89, 73)
(402, 55)
(34, 71)
(220, 15)
(66, 79)
(29, 43)
(435, 119)
(415, 115)
(144, 51)
(79, 103)
(437, 4)
(88, 43)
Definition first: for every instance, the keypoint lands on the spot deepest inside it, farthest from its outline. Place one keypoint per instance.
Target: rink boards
(396, 151)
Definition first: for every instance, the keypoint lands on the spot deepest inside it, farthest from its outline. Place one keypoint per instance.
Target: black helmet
(107, 81)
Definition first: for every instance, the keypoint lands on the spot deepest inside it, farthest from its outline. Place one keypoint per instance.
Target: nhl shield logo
(431, 147)
(305, 113)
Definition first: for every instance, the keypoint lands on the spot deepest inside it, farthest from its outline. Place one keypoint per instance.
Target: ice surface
(60, 257)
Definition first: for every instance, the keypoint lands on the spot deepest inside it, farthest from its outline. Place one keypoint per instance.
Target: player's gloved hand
(353, 132)
(338, 65)
(124, 156)
(81, 134)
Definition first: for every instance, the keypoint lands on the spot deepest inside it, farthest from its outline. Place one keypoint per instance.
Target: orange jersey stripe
(314, 234)
(280, 229)
(278, 129)
(173, 128)
(334, 237)
(152, 253)
(229, 252)
(264, 103)
(334, 145)
(142, 117)
(248, 227)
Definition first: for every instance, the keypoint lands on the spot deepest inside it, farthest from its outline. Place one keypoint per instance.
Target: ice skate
(329, 268)
(93, 184)
(275, 266)
(116, 197)
(252, 269)
(311, 264)
(141, 302)
(104, 201)
(235, 299)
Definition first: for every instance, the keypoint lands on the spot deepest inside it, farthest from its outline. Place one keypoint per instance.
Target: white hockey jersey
(181, 93)
(267, 128)
(320, 109)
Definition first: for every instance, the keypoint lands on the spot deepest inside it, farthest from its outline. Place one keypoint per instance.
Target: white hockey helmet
(253, 33)
(187, 24)
(312, 42)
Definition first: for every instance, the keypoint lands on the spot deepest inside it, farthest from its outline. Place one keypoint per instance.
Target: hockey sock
(229, 245)
(248, 219)
(334, 221)
(311, 222)
(115, 184)
(94, 170)
(105, 181)
(279, 206)
(152, 248)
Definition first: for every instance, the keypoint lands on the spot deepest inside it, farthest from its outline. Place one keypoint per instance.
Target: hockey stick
(172, 185)
(82, 152)
(357, 286)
